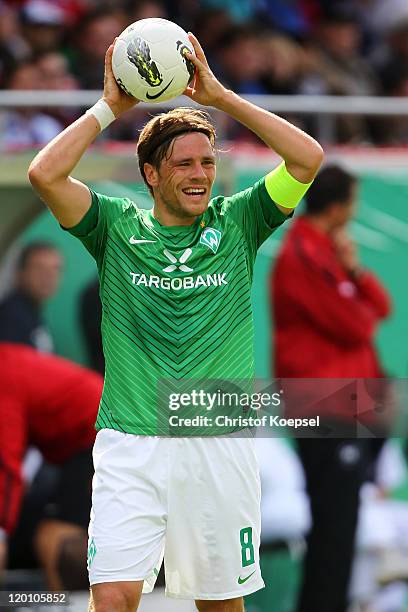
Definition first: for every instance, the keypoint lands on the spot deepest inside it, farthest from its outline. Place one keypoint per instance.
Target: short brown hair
(157, 135)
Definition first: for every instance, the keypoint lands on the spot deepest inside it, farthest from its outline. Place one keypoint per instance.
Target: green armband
(283, 188)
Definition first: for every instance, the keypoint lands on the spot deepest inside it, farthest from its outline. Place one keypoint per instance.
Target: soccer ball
(149, 61)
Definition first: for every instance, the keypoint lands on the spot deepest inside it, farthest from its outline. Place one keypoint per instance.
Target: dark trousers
(61, 492)
(335, 470)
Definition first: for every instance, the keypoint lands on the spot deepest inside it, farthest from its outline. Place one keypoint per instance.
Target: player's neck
(169, 219)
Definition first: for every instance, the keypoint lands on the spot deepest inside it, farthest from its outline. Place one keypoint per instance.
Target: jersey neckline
(173, 229)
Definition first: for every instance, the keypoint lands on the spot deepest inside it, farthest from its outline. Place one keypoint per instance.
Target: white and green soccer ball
(149, 60)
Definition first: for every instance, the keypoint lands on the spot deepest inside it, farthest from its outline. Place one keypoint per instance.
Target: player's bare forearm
(302, 154)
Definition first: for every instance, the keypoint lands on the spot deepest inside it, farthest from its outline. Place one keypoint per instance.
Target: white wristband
(102, 113)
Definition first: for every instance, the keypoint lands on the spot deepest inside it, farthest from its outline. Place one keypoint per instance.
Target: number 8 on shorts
(247, 548)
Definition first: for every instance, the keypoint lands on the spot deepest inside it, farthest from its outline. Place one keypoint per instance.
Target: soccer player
(175, 287)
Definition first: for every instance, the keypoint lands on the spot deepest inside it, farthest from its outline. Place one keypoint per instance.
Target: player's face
(185, 178)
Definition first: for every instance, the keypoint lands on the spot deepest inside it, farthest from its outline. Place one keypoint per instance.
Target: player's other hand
(205, 88)
(118, 100)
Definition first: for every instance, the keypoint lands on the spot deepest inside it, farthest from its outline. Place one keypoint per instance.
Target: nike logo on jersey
(242, 580)
(134, 240)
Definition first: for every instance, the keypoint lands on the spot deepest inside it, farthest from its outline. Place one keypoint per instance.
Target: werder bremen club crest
(211, 237)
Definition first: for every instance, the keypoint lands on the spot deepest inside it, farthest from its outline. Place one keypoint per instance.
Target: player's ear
(151, 174)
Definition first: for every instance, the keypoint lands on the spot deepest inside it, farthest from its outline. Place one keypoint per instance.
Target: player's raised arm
(49, 173)
(301, 153)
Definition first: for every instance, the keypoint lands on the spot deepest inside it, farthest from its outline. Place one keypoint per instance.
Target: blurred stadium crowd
(352, 47)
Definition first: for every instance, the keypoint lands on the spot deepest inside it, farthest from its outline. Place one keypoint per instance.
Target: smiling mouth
(194, 192)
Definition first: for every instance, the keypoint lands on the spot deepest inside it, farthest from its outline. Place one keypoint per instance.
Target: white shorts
(195, 501)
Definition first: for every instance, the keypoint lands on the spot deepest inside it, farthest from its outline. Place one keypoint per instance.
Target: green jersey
(176, 300)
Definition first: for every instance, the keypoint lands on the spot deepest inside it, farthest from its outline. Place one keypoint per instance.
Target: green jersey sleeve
(93, 228)
(255, 213)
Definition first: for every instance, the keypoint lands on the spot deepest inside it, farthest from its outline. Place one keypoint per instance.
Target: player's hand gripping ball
(149, 61)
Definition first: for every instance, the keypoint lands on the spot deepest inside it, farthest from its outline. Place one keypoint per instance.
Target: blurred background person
(51, 404)
(93, 35)
(37, 277)
(326, 309)
(13, 48)
(26, 126)
(379, 581)
(283, 62)
(239, 64)
(211, 26)
(336, 66)
(393, 130)
(56, 76)
(240, 61)
(146, 9)
(239, 10)
(42, 23)
(393, 52)
(288, 17)
(380, 19)
(285, 504)
(286, 519)
(338, 304)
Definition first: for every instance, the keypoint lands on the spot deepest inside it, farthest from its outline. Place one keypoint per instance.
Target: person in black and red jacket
(49, 403)
(326, 310)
